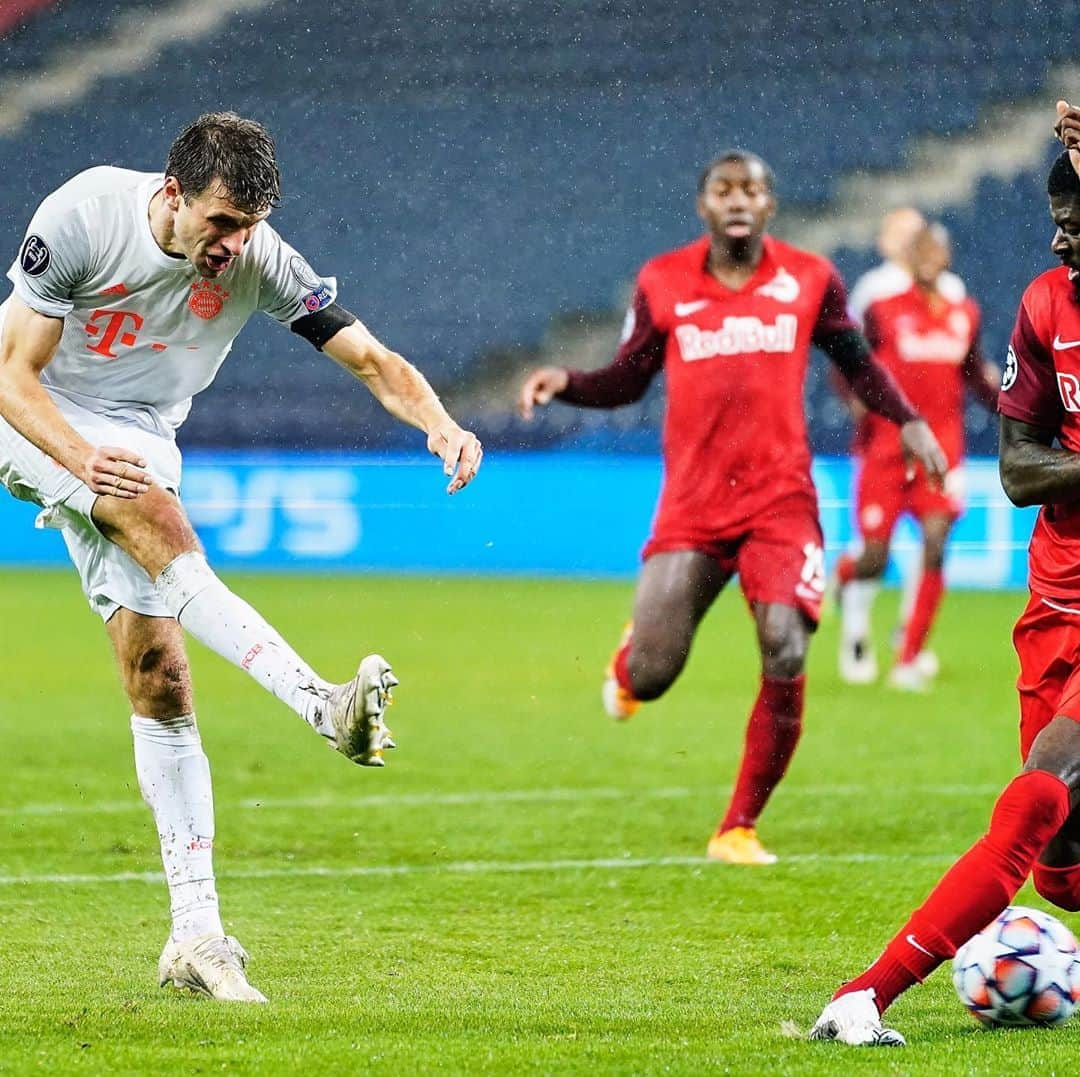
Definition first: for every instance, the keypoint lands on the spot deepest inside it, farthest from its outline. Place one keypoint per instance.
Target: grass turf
(521, 890)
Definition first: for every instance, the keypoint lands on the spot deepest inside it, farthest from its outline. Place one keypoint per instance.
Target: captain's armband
(320, 326)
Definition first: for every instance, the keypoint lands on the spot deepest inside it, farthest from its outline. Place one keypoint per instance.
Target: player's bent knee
(1060, 886)
(783, 656)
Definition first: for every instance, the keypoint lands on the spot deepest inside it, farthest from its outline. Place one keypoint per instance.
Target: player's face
(1065, 212)
(209, 230)
(736, 203)
(929, 257)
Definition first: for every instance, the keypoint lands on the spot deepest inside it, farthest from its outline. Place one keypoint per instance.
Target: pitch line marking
(556, 794)
(476, 867)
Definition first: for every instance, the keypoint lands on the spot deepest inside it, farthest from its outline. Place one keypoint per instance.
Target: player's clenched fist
(116, 472)
(1067, 129)
(460, 452)
(919, 444)
(540, 387)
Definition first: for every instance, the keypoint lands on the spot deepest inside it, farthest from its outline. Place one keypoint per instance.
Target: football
(1022, 969)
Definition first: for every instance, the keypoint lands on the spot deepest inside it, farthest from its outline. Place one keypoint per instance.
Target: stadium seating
(470, 170)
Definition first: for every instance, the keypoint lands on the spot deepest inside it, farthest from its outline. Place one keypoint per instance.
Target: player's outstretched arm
(406, 394)
(1032, 471)
(29, 342)
(875, 387)
(540, 388)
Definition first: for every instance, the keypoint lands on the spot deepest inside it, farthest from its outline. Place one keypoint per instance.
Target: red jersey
(930, 346)
(1041, 386)
(734, 438)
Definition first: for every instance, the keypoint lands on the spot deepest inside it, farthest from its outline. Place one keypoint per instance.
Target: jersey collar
(765, 271)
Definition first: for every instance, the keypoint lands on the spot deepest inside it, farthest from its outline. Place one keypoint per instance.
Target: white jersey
(143, 332)
(889, 279)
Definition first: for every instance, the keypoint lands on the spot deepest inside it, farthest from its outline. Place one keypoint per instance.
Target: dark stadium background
(485, 177)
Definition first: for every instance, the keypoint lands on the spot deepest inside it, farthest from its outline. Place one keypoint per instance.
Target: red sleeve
(625, 379)
(872, 327)
(833, 314)
(1029, 385)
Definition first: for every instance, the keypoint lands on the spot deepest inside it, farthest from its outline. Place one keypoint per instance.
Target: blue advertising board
(544, 514)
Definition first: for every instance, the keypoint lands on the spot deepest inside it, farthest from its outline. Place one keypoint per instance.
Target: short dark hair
(1063, 179)
(736, 155)
(236, 152)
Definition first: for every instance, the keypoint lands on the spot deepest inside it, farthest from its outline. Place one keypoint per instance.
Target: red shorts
(885, 493)
(779, 558)
(1047, 641)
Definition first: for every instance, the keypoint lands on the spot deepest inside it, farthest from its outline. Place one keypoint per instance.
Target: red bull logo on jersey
(1069, 387)
(937, 346)
(738, 336)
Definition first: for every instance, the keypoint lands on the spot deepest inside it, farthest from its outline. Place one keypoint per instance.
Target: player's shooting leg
(783, 638)
(674, 592)
(152, 528)
(155, 531)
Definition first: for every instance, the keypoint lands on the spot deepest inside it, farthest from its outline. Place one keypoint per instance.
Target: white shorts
(110, 578)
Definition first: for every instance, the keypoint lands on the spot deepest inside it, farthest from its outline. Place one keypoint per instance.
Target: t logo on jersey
(1069, 387)
(112, 331)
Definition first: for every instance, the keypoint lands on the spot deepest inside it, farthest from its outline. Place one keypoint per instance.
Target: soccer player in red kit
(730, 320)
(1035, 825)
(929, 342)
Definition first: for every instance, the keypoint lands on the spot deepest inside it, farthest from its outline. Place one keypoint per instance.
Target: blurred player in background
(730, 320)
(892, 276)
(930, 344)
(1035, 824)
(128, 291)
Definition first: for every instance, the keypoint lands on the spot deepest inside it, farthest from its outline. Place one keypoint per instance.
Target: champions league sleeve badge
(35, 256)
(1012, 368)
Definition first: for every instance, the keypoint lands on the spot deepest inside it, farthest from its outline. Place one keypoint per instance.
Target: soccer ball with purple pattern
(1023, 969)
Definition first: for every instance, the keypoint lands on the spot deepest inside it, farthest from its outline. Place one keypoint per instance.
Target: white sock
(174, 776)
(856, 604)
(226, 624)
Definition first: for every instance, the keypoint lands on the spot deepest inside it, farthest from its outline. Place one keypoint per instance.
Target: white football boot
(853, 1018)
(908, 677)
(211, 965)
(928, 664)
(857, 662)
(356, 712)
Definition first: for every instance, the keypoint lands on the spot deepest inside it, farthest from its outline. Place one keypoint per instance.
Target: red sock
(927, 600)
(975, 889)
(845, 569)
(771, 735)
(622, 673)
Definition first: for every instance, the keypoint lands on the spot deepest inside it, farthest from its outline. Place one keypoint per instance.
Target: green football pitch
(523, 888)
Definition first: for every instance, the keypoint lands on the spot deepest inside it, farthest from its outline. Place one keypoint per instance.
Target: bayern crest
(207, 299)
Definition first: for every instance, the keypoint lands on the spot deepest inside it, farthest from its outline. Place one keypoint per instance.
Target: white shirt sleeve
(53, 259)
(289, 288)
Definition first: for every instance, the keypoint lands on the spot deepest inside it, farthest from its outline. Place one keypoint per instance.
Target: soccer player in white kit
(129, 289)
